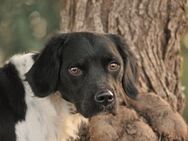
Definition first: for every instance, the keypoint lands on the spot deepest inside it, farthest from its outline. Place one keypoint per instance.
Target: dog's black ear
(130, 68)
(43, 75)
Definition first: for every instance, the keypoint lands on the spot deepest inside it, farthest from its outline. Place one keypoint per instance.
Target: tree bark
(153, 30)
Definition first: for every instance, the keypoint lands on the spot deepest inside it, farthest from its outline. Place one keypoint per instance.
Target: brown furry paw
(125, 126)
(159, 114)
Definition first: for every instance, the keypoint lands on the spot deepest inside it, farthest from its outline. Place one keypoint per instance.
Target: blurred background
(26, 24)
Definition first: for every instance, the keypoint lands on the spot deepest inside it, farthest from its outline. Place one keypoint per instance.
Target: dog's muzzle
(104, 98)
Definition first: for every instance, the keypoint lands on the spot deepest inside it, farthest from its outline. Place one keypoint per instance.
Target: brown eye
(113, 67)
(75, 71)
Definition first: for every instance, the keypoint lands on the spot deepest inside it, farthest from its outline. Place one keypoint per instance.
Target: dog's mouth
(95, 110)
(88, 113)
(89, 108)
(110, 109)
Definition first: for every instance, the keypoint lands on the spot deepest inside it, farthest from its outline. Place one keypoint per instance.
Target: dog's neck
(69, 121)
(47, 119)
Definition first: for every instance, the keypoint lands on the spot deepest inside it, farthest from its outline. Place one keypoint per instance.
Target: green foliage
(185, 77)
(24, 24)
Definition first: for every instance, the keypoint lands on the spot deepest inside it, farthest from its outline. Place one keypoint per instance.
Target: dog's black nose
(104, 98)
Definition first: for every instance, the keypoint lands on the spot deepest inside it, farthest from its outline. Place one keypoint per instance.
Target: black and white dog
(45, 96)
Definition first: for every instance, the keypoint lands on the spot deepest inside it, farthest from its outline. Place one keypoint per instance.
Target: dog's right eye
(75, 71)
(113, 66)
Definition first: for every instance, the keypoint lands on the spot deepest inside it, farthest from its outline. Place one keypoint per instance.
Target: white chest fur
(47, 119)
(39, 123)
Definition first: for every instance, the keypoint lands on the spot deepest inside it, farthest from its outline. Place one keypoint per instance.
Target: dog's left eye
(75, 71)
(113, 66)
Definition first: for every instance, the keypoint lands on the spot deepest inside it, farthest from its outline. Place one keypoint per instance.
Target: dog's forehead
(83, 46)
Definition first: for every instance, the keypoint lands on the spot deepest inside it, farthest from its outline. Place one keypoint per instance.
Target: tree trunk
(153, 30)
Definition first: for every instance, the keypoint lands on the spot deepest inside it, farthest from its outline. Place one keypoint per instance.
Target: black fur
(130, 69)
(43, 76)
(91, 53)
(12, 103)
(35, 56)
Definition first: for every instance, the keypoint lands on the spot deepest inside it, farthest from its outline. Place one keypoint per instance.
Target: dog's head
(87, 69)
